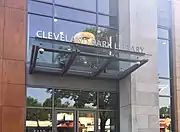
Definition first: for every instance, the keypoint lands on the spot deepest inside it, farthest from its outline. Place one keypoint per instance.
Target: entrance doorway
(65, 110)
(75, 121)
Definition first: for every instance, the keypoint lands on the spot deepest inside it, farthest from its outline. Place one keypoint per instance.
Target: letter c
(38, 34)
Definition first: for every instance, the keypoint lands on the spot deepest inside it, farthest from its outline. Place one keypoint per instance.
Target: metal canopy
(79, 59)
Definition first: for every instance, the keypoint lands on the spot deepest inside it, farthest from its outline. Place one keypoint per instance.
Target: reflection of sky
(164, 102)
(38, 93)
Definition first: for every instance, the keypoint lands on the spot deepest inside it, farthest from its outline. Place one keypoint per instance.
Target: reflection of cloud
(162, 87)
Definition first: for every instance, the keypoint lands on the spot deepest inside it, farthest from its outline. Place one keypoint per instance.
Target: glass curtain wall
(164, 43)
(63, 20)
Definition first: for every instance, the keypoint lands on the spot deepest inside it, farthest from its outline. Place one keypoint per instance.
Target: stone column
(139, 101)
(12, 65)
(176, 61)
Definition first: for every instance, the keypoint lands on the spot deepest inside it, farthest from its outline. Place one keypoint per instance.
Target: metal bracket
(131, 69)
(70, 61)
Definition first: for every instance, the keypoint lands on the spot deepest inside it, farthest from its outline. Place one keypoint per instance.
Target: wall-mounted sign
(89, 39)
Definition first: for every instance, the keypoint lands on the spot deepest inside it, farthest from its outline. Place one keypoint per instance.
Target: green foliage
(165, 112)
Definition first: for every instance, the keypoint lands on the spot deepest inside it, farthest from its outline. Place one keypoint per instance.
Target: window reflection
(34, 98)
(76, 15)
(163, 58)
(38, 120)
(165, 114)
(69, 30)
(48, 1)
(38, 26)
(164, 87)
(78, 99)
(107, 121)
(164, 13)
(107, 37)
(162, 33)
(107, 100)
(164, 104)
(39, 8)
(80, 4)
(108, 7)
(110, 21)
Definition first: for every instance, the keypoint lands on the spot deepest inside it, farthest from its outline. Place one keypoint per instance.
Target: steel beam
(131, 69)
(103, 67)
(70, 62)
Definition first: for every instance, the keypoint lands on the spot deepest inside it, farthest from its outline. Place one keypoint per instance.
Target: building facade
(94, 65)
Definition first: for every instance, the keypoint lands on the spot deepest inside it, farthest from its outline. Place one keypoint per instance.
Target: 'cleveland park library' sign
(87, 38)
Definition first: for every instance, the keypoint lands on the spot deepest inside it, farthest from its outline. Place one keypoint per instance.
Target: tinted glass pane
(71, 31)
(78, 99)
(39, 97)
(107, 37)
(110, 21)
(107, 121)
(38, 120)
(39, 8)
(108, 7)
(164, 12)
(75, 15)
(107, 100)
(165, 113)
(38, 26)
(163, 58)
(48, 1)
(164, 87)
(80, 4)
(162, 33)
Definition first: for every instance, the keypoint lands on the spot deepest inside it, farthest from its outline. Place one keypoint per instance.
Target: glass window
(164, 13)
(163, 33)
(39, 97)
(48, 1)
(39, 26)
(164, 87)
(107, 121)
(71, 31)
(163, 58)
(39, 8)
(76, 15)
(164, 104)
(78, 99)
(107, 37)
(165, 113)
(80, 4)
(38, 120)
(110, 21)
(107, 100)
(108, 7)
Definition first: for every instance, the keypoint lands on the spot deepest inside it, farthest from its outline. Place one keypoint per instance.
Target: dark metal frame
(75, 110)
(74, 52)
(171, 77)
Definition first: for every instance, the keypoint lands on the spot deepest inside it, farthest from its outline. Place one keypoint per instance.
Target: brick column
(12, 65)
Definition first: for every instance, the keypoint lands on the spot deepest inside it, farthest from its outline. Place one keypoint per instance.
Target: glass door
(65, 121)
(86, 121)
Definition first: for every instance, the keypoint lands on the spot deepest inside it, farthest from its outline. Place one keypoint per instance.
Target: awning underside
(78, 59)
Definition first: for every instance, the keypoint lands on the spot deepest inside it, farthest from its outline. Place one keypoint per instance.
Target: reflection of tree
(36, 114)
(165, 112)
(81, 98)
